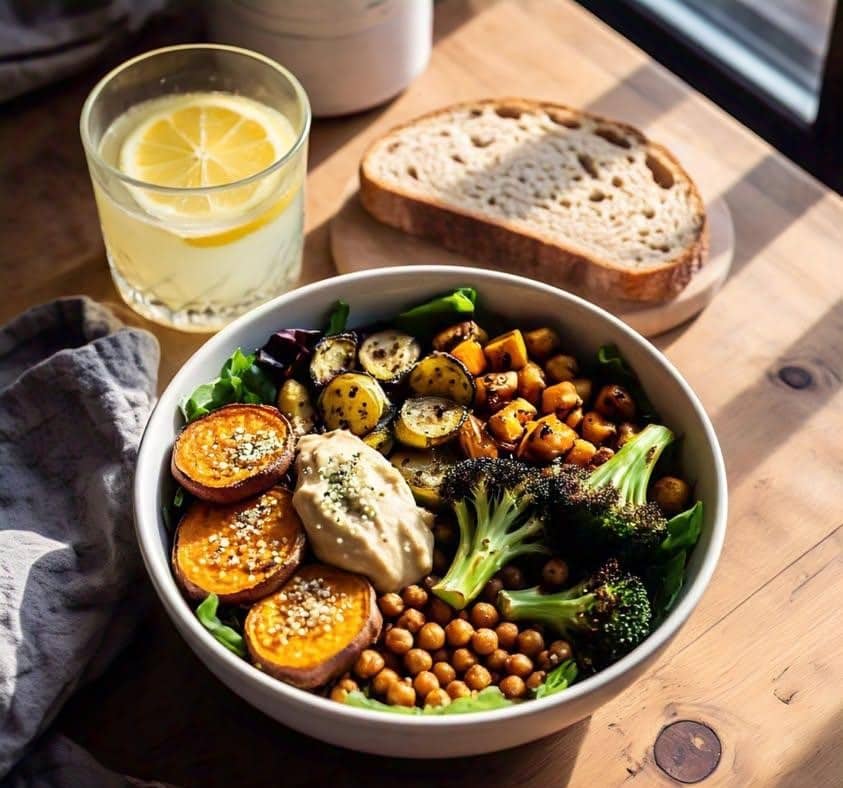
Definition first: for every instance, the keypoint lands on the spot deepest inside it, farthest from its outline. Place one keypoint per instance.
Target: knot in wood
(796, 377)
(687, 751)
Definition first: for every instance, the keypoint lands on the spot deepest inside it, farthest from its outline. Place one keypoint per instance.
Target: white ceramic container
(350, 55)
(378, 294)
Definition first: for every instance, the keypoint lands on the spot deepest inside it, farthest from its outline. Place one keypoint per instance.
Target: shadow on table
(159, 714)
(819, 759)
(765, 203)
(797, 383)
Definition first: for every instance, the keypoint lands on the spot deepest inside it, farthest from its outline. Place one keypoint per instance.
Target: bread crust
(505, 246)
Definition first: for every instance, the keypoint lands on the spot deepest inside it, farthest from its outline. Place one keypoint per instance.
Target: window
(778, 45)
(776, 65)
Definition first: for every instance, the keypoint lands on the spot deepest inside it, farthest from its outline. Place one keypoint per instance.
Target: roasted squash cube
(507, 351)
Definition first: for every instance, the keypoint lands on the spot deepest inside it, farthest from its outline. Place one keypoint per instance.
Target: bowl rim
(147, 519)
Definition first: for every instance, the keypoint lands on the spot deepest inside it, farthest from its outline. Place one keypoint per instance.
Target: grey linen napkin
(76, 388)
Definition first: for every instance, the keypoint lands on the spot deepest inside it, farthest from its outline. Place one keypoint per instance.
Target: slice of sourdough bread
(543, 190)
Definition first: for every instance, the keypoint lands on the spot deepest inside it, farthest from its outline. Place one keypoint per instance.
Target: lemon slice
(202, 140)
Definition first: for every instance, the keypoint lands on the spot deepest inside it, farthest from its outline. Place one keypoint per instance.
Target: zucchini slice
(389, 355)
(381, 438)
(429, 421)
(442, 375)
(331, 356)
(424, 471)
(352, 401)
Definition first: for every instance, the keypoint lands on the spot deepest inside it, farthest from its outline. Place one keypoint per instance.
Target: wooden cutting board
(359, 242)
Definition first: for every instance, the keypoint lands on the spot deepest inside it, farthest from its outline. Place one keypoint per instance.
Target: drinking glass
(157, 131)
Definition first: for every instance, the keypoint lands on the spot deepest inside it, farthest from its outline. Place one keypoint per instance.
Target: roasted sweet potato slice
(233, 453)
(240, 552)
(313, 629)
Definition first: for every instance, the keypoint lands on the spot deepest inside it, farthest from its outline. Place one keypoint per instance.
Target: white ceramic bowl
(381, 294)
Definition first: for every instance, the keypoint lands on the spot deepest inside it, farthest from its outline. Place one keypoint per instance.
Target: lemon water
(196, 259)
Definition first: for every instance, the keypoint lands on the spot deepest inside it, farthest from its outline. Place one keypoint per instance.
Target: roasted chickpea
(399, 640)
(561, 368)
(414, 596)
(615, 403)
(412, 620)
(368, 664)
(581, 453)
(484, 614)
(492, 589)
(381, 682)
(530, 642)
(542, 660)
(559, 651)
(494, 390)
(463, 659)
(541, 342)
(339, 694)
(507, 633)
(425, 682)
(477, 677)
(458, 632)
(626, 430)
(555, 573)
(438, 611)
(535, 679)
(519, 665)
(441, 562)
(348, 684)
(512, 577)
(513, 687)
(437, 697)
(400, 694)
(597, 429)
(416, 660)
(431, 636)
(441, 655)
(496, 661)
(583, 387)
(671, 494)
(484, 641)
(603, 454)
(391, 605)
(444, 672)
(531, 383)
(457, 689)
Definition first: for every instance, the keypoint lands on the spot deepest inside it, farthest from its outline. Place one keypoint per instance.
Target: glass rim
(93, 152)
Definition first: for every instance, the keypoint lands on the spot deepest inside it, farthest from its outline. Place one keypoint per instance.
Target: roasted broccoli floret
(606, 512)
(498, 505)
(606, 616)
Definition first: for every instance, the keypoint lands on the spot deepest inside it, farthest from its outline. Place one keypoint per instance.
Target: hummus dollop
(359, 512)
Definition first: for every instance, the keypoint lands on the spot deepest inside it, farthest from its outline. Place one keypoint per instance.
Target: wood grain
(761, 660)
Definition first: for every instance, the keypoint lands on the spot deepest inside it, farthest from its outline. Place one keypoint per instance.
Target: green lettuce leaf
(683, 530)
(240, 380)
(424, 320)
(230, 638)
(338, 319)
(560, 678)
(485, 700)
(611, 367)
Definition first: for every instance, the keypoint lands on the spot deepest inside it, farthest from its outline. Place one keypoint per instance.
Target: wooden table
(760, 663)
